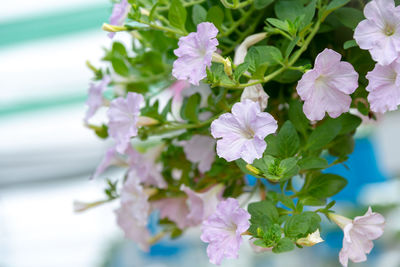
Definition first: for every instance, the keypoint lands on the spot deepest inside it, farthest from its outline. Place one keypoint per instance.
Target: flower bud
(80, 206)
(310, 240)
(253, 169)
(113, 28)
(146, 121)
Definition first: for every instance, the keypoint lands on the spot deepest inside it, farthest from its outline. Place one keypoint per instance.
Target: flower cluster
(203, 101)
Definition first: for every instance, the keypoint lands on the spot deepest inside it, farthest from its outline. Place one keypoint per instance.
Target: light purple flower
(133, 195)
(202, 205)
(109, 159)
(380, 32)
(133, 214)
(223, 229)
(123, 116)
(384, 87)
(138, 233)
(200, 149)
(145, 167)
(95, 97)
(358, 235)
(174, 209)
(195, 53)
(119, 14)
(242, 132)
(328, 86)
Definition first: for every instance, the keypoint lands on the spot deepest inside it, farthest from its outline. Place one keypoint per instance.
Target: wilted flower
(223, 229)
(195, 53)
(200, 149)
(384, 87)
(123, 115)
(358, 235)
(257, 94)
(95, 97)
(311, 239)
(328, 86)
(242, 132)
(119, 14)
(380, 32)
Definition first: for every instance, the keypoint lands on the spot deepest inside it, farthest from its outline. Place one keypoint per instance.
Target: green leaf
(288, 140)
(260, 4)
(215, 15)
(349, 17)
(287, 201)
(284, 245)
(272, 145)
(312, 201)
(288, 9)
(309, 12)
(297, 117)
(199, 14)
(349, 123)
(283, 25)
(349, 44)
(275, 169)
(324, 134)
(263, 215)
(263, 55)
(118, 50)
(191, 109)
(342, 146)
(324, 185)
(242, 68)
(177, 14)
(299, 225)
(311, 163)
(120, 66)
(335, 4)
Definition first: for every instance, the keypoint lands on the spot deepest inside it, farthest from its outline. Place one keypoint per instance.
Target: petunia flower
(202, 204)
(384, 87)
(200, 149)
(123, 117)
(242, 132)
(174, 209)
(328, 86)
(119, 14)
(133, 214)
(195, 53)
(223, 229)
(256, 94)
(380, 31)
(132, 230)
(95, 98)
(358, 235)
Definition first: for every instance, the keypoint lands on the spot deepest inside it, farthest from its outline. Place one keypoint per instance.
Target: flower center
(247, 133)
(389, 30)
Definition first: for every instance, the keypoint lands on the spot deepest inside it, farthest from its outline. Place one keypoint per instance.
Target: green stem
(272, 75)
(237, 23)
(236, 4)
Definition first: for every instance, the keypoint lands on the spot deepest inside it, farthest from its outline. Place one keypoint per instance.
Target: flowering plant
(209, 92)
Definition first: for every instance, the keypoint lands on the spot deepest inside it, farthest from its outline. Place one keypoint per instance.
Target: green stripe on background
(56, 102)
(53, 24)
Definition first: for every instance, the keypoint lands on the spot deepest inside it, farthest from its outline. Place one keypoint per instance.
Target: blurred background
(47, 156)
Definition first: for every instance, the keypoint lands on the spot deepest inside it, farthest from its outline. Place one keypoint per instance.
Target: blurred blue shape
(362, 169)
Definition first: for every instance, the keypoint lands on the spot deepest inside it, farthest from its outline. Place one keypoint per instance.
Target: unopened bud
(80, 206)
(113, 28)
(146, 121)
(253, 169)
(310, 240)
